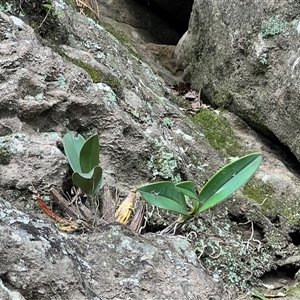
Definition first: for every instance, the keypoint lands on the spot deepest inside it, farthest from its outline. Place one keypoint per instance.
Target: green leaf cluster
(83, 157)
(170, 196)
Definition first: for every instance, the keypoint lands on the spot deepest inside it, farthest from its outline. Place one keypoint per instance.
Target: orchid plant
(170, 196)
(83, 157)
(182, 198)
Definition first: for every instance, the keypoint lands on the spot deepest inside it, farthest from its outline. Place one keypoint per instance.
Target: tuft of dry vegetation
(90, 5)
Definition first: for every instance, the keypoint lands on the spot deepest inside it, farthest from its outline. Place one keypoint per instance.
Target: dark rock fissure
(175, 13)
(282, 151)
(295, 236)
(282, 272)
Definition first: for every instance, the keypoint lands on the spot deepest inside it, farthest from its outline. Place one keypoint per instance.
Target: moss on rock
(96, 74)
(260, 192)
(218, 132)
(5, 157)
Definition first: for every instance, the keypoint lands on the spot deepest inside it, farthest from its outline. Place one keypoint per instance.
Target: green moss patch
(5, 157)
(121, 36)
(180, 101)
(264, 194)
(260, 192)
(96, 75)
(218, 132)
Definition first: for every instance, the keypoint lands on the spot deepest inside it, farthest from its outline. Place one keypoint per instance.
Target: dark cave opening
(175, 13)
(295, 236)
(282, 273)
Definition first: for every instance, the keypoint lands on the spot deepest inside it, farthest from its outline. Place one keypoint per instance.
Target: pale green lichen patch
(10, 145)
(109, 98)
(61, 82)
(218, 132)
(275, 25)
(230, 258)
(164, 164)
(275, 240)
(39, 97)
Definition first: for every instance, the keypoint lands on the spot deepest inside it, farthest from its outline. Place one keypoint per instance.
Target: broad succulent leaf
(89, 182)
(73, 143)
(89, 154)
(163, 194)
(188, 188)
(228, 180)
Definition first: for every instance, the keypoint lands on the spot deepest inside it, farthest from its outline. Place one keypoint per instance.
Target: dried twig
(76, 212)
(107, 208)
(91, 5)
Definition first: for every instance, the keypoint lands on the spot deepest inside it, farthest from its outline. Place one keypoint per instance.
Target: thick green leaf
(164, 195)
(187, 188)
(73, 142)
(89, 182)
(228, 180)
(89, 154)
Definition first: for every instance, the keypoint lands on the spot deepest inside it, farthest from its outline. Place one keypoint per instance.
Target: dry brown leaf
(137, 221)
(195, 104)
(278, 295)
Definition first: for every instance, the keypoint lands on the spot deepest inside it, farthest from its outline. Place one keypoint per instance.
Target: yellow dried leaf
(124, 211)
(68, 227)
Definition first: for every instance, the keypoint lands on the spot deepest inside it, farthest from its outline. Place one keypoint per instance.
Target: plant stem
(48, 12)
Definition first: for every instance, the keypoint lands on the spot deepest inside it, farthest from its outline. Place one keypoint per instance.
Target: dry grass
(90, 5)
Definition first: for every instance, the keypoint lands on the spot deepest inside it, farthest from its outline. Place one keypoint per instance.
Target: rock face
(81, 77)
(88, 83)
(38, 263)
(244, 57)
(144, 24)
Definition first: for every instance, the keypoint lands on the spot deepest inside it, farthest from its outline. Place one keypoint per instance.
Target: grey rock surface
(52, 95)
(244, 57)
(87, 79)
(39, 262)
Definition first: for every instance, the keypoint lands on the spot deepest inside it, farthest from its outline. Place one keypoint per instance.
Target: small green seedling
(50, 9)
(170, 196)
(83, 157)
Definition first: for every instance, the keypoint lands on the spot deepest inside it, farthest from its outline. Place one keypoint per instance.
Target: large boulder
(243, 56)
(80, 77)
(88, 84)
(38, 262)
